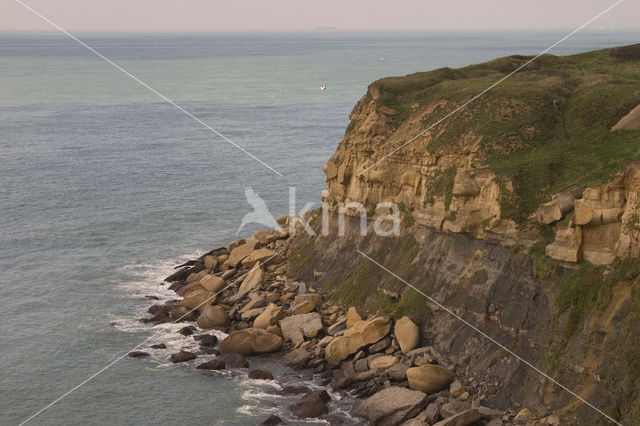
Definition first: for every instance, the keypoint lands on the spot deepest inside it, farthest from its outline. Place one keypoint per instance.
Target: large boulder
(259, 256)
(341, 347)
(304, 303)
(353, 316)
(250, 283)
(234, 360)
(360, 334)
(383, 362)
(210, 262)
(270, 316)
(182, 356)
(239, 253)
(249, 341)
(391, 406)
(214, 364)
(197, 297)
(263, 238)
(213, 316)
(429, 378)
(312, 404)
(257, 301)
(407, 333)
(212, 283)
(369, 331)
(297, 327)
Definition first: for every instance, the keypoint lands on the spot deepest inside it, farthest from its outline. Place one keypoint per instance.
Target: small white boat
(323, 87)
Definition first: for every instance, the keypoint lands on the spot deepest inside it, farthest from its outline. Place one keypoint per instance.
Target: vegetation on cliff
(545, 129)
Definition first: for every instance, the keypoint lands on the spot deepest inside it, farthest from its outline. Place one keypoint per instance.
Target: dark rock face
(159, 346)
(137, 354)
(312, 404)
(214, 364)
(260, 375)
(235, 361)
(182, 356)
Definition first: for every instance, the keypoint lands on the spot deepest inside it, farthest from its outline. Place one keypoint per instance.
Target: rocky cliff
(551, 150)
(520, 214)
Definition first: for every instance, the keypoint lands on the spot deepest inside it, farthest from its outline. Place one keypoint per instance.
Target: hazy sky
(212, 15)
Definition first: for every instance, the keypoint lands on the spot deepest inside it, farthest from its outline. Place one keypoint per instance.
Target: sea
(105, 186)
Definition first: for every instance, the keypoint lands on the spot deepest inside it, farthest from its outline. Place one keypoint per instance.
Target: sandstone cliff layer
(553, 146)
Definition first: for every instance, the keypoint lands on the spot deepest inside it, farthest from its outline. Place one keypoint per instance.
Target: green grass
(540, 147)
(588, 288)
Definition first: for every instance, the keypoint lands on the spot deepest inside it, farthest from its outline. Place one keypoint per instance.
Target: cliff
(520, 213)
(550, 151)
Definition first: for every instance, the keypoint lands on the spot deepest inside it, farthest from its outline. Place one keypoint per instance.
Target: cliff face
(501, 203)
(522, 157)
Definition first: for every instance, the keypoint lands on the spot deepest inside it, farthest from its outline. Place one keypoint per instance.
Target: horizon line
(317, 30)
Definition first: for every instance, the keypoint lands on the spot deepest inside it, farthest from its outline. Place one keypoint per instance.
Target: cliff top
(545, 129)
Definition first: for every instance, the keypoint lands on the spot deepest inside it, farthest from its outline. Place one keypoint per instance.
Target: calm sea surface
(104, 187)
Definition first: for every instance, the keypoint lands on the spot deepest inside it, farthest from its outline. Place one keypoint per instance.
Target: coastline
(240, 306)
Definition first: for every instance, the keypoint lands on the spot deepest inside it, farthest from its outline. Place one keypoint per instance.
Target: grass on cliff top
(545, 129)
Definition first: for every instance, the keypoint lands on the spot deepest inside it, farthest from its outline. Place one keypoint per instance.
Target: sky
(242, 15)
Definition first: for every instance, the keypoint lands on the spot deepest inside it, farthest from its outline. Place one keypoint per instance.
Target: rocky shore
(243, 290)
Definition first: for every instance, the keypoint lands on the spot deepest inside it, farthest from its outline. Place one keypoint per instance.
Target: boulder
(391, 406)
(258, 301)
(181, 313)
(352, 316)
(341, 347)
(213, 316)
(249, 341)
(369, 331)
(407, 334)
(137, 354)
(304, 303)
(250, 282)
(235, 361)
(251, 314)
(297, 327)
(159, 346)
(429, 378)
(206, 339)
(263, 238)
(260, 375)
(214, 364)
(197, 297)
(398, 372)
(296, 359)
(312, 404)
(470, 416)
(182, 356)
(212, 283)
(210, 262)
(239, 253)
(187, 330)
(272, 420)
(383, 362)
(259, 256)
(269, 317)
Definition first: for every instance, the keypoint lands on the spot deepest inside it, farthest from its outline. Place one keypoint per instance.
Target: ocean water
(104, 188)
